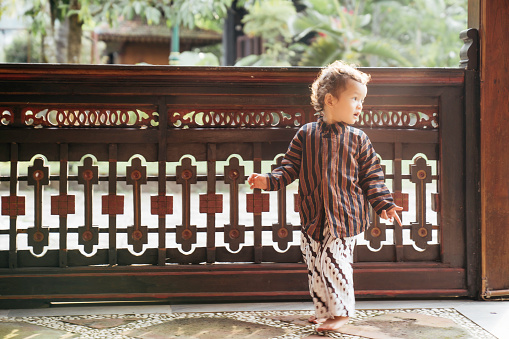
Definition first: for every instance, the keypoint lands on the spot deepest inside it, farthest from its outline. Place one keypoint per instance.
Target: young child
(338, 170)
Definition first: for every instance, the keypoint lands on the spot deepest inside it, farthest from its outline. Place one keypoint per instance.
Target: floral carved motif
(85, 117)
(188, 118)
(6, 116)
(398, 118)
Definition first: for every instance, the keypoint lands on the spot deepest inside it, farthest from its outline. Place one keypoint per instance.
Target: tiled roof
(138, 32)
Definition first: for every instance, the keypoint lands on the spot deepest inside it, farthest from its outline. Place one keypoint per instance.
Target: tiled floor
(491, 315)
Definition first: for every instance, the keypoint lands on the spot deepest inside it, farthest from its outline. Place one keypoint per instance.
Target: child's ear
(329, 99)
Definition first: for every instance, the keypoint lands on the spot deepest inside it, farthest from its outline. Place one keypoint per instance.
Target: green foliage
(19, 50)
(342, 34)
(6, 7)
(322, 51)
(366, 32)
(187, 13)
(268, 19)
(427, 30)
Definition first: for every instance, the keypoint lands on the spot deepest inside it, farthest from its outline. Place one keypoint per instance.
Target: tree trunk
(61, 41)
(74, 37)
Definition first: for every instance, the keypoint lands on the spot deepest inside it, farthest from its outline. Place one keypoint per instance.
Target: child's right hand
(257, 180)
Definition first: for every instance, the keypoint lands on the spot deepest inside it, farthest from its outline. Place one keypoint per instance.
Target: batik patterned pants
(330, 274)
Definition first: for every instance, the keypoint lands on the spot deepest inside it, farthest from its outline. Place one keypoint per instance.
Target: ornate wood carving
(13, 205)
(240, 127)
(186, 233)
(136, 175)
(469, 52)
(51, 116)
(112, 204)
(373, 117)
(282, 232)
(88, 176)
(234, 234)
(257, 202)
(38, 176)
(261, 118)
(401, 199)
(63, 204)
(161, 204)
(211, 203)
(420, 176)
(6, 116)
(376, 233)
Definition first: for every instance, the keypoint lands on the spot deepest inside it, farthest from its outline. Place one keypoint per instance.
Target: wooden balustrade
(131, 173)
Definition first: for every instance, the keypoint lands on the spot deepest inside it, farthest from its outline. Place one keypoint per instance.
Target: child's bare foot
(333, 324)
(313, 320)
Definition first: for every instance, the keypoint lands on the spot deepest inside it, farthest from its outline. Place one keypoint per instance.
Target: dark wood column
(494, 72)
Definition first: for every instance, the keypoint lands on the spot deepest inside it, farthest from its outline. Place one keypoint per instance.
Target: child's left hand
(392, 214)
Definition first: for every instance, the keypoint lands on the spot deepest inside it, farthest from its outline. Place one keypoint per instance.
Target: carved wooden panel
(186, 176)
(373, 117)
(38, 176)
(13, 205)
(77, 116)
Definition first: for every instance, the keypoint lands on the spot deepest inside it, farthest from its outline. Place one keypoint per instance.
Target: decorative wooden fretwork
(88, 176)
(211, 269)
(136, 176)
(420, 175)
(186, 233)
(6, 116)
(161, 205)
(377, 232)
(38, 176)
(211, 203)
(194, 118)
(49, 116)
(112, 204)
(282, 232)
(425, 118)
(234, 234)
(62, 204)
(257, 202)
(13, 205)
(401, 199)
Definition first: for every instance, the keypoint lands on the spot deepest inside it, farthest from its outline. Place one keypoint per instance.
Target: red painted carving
(426, 118)
(62, 204)
(401, 199)
(257, 202)
(13, 205)
(211, 203)
(6, 116)
(112, 204)
(161, 204)
(50, 116)
(192, 118)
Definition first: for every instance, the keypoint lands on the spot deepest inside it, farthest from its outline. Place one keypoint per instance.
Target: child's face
(347, 106)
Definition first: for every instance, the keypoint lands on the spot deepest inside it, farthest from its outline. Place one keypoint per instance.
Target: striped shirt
(338, 170)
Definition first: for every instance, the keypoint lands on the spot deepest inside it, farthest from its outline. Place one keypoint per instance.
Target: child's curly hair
(332, 79)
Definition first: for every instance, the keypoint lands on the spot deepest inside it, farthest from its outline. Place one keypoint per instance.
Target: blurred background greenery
(374, 33)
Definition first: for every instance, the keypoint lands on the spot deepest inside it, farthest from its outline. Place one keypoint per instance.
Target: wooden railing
(114, 179)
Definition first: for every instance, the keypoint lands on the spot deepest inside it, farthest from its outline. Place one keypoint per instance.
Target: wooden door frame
(488, 127)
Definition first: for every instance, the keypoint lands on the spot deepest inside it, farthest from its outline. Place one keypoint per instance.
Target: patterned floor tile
(422, 323)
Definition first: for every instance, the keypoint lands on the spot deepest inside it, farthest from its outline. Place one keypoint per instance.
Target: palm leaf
(384, 50)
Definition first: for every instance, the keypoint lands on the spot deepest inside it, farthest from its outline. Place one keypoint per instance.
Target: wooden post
(494, 139)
